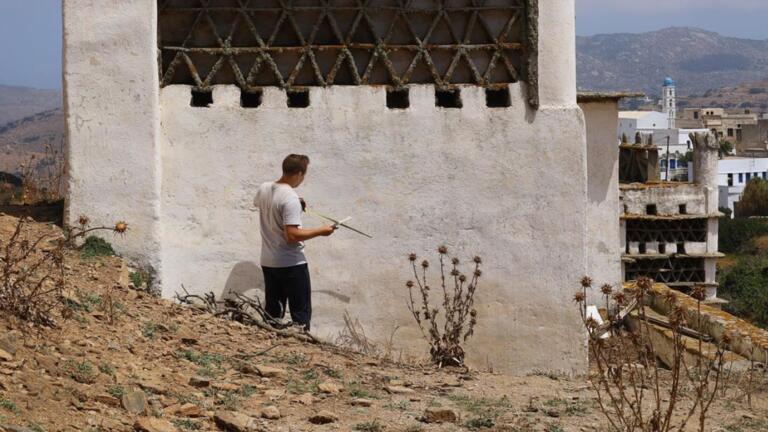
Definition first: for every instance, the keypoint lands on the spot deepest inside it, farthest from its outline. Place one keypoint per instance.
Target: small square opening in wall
(398, 99)
(201, 99)
(497, 98)
(662, 248)
(448, 98)
(298, 99)
(641, 248)
(683, 209)
(651, 209)
(681, 248)
(250, 99)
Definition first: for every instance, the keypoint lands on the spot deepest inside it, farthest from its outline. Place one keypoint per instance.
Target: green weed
(96, 247)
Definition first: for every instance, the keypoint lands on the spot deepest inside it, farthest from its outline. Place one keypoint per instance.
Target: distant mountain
(31, 121)
(19, 102)
(697, 59)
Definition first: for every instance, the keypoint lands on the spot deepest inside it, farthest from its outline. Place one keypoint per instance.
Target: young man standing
(286, 274)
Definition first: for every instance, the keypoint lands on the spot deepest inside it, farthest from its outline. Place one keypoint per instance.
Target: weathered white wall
(478, 179)
(603, 233)
(473, 178)
(112, 114)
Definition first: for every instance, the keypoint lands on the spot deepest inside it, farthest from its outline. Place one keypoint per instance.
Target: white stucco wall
(603, 238)
(112, 114)
(478, 179)
(416, 178)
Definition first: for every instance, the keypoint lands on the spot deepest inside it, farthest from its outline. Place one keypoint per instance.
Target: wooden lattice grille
(667, 270)
(667, 230)
(300, 43)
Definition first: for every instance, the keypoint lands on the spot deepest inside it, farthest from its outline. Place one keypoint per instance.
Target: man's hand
(327, 230)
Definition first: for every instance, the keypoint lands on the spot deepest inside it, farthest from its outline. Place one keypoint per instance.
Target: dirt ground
(125, 360)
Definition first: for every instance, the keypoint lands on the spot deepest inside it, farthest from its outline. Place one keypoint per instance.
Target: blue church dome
(668, 82)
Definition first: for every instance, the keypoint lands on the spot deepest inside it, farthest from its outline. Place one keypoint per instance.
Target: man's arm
(294, 234)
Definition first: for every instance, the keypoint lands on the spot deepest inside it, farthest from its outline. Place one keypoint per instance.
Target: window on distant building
(695, 115)
(749, 176)
(765, 175)
(730, 132)
(672, 164)
(730, 179)
(741, 178)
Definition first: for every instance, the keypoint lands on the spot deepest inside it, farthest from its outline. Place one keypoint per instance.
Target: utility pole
(667, 158)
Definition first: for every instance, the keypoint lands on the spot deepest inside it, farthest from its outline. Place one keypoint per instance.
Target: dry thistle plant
(32, 267)
(42, 177)
(458, 314)
(634, 391)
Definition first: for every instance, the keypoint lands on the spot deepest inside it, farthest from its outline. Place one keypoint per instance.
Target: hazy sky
(30, 30)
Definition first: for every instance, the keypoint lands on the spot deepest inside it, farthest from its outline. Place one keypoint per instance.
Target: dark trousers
(289, 286)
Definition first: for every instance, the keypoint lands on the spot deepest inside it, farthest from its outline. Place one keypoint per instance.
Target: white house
(733, 175)
(645, 122)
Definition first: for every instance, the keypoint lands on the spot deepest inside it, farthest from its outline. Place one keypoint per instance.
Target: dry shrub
(353, 338)
(32, 267)
(457, 314)
(42, 177)
(635, 392)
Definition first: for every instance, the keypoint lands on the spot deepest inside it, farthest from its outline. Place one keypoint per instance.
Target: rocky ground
(124, 360)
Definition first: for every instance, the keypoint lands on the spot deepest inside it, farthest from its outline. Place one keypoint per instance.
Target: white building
(175, 114)
(645, 122)
(733, 174)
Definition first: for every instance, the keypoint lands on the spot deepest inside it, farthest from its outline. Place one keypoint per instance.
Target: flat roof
(584, 97)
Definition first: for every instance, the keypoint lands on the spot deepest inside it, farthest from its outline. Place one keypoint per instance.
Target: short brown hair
(295, 164)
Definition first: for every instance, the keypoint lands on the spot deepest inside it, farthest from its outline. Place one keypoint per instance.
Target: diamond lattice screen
(300, 43)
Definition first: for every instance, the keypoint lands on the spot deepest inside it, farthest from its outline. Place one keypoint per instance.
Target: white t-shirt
(278, 206)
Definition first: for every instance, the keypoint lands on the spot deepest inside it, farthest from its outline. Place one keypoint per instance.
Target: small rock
(153, 424)
(361, 402)
(271, 412)
(199, 381)
(305, 399)
(329, 387)
(440, 415)
(233, 421)
(135, 402)
(323, 417)
(5, 356)
(225, 386)
(189, 410)
(107, 400)
(268, 371)
(399, 389)
(274, 394)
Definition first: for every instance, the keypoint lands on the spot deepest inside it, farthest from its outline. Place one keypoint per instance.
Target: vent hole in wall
(651, 209)
(201, 99)
(398, 99)
(448, 98)
(298, 99)
(683, 209)
(497, 98)
(250, 99)
(662, 248)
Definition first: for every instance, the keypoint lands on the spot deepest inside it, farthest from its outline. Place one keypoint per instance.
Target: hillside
(21, 139)
(752, 95)
(19, 102)
(697, 59)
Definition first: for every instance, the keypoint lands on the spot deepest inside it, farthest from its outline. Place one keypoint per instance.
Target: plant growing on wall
(635, 393)
(448, 325)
